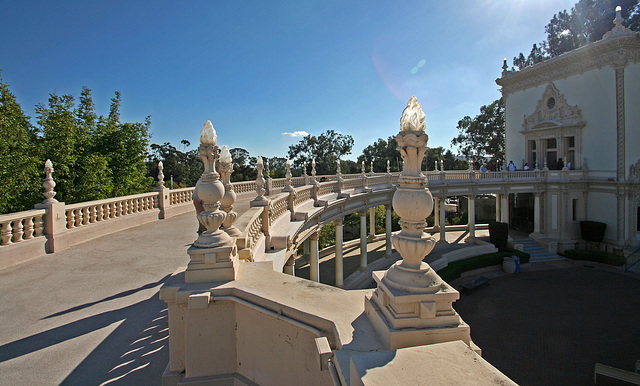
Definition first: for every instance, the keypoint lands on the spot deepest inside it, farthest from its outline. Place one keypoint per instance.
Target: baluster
(85, 216)
(6, 233)
(28, 228)
(105, 211)
(112, 210)
(118, 208)
(99, 212)
(78, 215)
(38, 227)
(71, 219)
(93, 214)
(17, 231)
(145, 203)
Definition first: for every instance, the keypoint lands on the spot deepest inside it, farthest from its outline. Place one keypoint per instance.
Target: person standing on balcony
(483, 168)
(559, 164)
(511, 166)
(526, 166)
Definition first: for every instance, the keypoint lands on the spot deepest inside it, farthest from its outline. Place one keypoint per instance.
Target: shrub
(597, 256)
(499, 234)
(592, 231)
(455, 269)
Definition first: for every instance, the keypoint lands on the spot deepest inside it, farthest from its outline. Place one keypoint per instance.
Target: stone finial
(267, 171)
(338, 171)
(388, 167)
(208, 134)
(435, 168)
(48, 183)
(160, 175)
(260, 200)
(441, 165)
(363, 171)
(287, 175)
(210, 191)
(618, 29)
(229, 198)
(413, 117)
(412, 285)
(371, 168)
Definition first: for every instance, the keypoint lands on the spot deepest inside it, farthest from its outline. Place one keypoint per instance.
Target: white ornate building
(584, 107)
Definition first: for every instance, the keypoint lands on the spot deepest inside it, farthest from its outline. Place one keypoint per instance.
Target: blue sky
(258, 69)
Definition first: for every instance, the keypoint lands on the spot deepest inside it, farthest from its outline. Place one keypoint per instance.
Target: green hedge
(455, 269)
(597, 256)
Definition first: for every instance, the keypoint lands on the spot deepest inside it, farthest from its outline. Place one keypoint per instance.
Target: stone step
(537, 252)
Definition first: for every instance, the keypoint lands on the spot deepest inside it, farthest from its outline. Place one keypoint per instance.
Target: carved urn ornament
(210, 192)
(229, 198)
(49, 183)
(413, 202)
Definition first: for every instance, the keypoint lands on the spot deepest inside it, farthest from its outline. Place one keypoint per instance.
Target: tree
(382, 150)
(587, 22)
(58, 126)
(20, 154)
(326, 149)
(244, 166)
(184, 167)
(482, 136)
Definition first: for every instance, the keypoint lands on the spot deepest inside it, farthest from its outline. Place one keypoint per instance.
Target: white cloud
(300, 133)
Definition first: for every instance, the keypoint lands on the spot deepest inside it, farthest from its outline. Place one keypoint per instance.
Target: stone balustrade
(84, 213)
(20, 226)
(23, 227)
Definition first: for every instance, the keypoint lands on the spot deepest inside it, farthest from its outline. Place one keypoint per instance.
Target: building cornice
(616, 52)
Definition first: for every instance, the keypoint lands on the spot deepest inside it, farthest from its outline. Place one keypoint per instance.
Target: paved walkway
(551, 323)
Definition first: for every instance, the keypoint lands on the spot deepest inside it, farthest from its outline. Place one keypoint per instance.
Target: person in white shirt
(526, 166)
(511, 166)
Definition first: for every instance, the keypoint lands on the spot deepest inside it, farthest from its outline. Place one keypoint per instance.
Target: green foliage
(455, 269)
(382, 151)
(483, 136)
(499, 234)
(93, 158)
(597, 256)
(326, 149)
(185, 167)
(244, 166)
(20, 153)
(587, 22)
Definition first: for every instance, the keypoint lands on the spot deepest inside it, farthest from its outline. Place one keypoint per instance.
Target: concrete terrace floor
(91, 315)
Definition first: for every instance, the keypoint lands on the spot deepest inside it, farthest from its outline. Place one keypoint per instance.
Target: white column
(372, 222)
(306, 249)
(363, 240)
(472, 217)
(504, 210)
(388, 232)
(436, 214)
(498, 203)
(443, 219)
(339, 257)
(314, 263)
(536, 213)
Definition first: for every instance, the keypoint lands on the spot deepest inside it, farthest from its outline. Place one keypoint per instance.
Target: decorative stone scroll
(552, 111)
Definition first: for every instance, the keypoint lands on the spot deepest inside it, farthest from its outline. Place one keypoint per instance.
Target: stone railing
(53, 218)
(84, 213)
(20, 226)
(180, 196)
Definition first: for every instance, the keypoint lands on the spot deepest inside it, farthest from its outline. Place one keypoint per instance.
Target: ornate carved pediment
(552, 111)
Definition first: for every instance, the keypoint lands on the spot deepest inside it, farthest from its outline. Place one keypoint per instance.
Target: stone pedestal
(415, 316)
(212, 264)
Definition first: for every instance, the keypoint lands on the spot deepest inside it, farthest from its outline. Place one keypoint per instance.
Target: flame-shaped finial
(618, 19)
(208, 134)
(288, 163)
(260, 161)
(225, 155)
(413, 117)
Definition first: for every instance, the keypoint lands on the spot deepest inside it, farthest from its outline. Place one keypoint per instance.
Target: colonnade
(311, 244)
